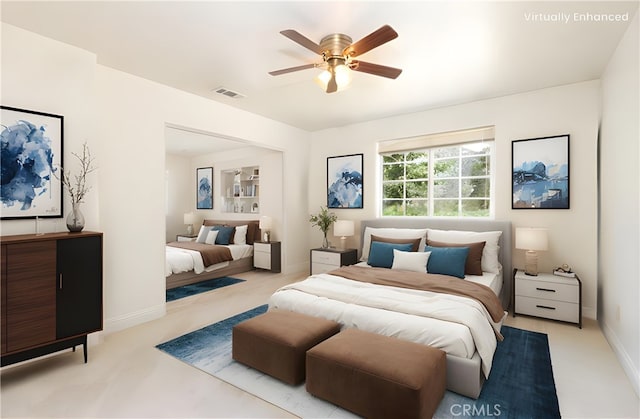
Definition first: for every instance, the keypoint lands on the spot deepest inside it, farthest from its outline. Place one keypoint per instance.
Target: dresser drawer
(550, 309)
(547, 290)
(327, 258)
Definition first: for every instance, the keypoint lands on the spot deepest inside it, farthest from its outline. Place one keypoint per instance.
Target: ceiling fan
(338, 51)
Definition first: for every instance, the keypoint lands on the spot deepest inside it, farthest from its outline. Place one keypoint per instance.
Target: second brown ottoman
(377, 376)
(276, 342)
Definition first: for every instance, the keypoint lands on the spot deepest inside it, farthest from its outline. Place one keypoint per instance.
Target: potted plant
(324, 219)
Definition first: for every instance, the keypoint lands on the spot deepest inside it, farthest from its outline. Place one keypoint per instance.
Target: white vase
(75, 219)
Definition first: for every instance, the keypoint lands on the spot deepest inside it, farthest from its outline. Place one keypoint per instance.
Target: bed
(184, 262)
(385, 301)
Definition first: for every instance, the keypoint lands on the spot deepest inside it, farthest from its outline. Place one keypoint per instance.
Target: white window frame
(484, 135)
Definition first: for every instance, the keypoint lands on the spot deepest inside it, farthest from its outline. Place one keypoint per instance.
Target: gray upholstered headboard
(458, 224)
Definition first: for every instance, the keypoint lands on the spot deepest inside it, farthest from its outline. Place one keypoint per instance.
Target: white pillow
(392, 233)
(202, 234)
(491, 249)
(211, 237)
(410, 261)
(240, 236)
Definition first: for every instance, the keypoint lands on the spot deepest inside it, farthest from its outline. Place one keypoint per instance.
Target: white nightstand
(324, 260)
(266, 255)
(186, 237)
(549, 296)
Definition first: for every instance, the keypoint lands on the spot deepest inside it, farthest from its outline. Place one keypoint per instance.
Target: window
(444, 180)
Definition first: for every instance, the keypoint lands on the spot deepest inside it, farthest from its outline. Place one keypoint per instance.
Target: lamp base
(343, 242)
(190, 229)
(531, 263)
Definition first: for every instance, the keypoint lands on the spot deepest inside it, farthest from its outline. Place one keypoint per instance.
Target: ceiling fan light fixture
(342, 77)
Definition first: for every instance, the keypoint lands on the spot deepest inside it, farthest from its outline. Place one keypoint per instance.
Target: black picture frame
(30, 188)
(540, 175)
(345, 181)
(204, 188)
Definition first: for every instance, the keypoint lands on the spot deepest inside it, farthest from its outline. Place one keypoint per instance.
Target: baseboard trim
(125, 321)
(623, 357)
(589, 313)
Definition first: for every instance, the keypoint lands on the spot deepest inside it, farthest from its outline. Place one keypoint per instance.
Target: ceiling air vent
(229, 93)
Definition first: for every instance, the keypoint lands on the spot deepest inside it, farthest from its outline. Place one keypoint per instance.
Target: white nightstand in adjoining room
(324, 260)
(186, 237)
(266, 255)
(548, 296)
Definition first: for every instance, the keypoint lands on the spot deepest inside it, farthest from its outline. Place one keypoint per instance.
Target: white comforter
(457, 325)
(179, 260)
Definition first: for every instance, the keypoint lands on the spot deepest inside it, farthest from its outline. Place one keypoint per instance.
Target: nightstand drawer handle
(545, 289)
(547, 307)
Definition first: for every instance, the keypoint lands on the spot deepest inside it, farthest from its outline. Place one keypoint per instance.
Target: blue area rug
(198, 287)
(521, 383)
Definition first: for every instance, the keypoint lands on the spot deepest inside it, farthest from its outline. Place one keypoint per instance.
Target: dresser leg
(84, 346)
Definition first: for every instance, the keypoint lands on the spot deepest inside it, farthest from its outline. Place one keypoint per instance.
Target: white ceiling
(450, 52)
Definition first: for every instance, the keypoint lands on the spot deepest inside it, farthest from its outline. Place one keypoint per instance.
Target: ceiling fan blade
(292, 69)
(375, 69)
(371, 41)
(297, 37)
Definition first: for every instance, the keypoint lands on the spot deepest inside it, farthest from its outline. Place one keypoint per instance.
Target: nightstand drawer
(550, 309)
(328, 258)
(320, 268)
(267, 256)
(262, 260)
(262, 247)
(547, 290)
(181, 238)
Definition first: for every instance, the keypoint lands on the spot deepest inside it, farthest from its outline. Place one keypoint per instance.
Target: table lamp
(189, 218)
(266, 224)
(343, 228)
(531, 240)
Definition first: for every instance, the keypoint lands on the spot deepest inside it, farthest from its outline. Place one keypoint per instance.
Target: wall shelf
(241, 190)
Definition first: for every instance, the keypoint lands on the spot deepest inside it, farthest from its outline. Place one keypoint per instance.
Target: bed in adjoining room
(222, 248)
(458, 306)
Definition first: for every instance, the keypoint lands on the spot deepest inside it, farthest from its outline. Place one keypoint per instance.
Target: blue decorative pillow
(447, 260)
(381, 254)
(225, 234)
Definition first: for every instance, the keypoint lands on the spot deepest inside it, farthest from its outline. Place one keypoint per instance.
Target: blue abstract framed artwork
(540, 176)
(31, 153)
(204, 195)
(344, 181)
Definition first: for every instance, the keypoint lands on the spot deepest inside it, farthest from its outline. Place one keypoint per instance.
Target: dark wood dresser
(51, 293)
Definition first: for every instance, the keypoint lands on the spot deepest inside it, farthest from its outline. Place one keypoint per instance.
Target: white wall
(571, 109)
(123, 118)
(619, 229)
(180, 195)
(41, 74)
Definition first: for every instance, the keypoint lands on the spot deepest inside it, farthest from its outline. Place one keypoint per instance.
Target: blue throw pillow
(381, 253)
(447, 260)
(225, 234)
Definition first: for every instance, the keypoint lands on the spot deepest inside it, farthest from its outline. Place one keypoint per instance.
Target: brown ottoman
(377, 376)
(276, 342)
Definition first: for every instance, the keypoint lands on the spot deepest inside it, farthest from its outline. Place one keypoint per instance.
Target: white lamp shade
(343, 77)
(189, 218)
(343, 228)
(528, 238)
(266, 222)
